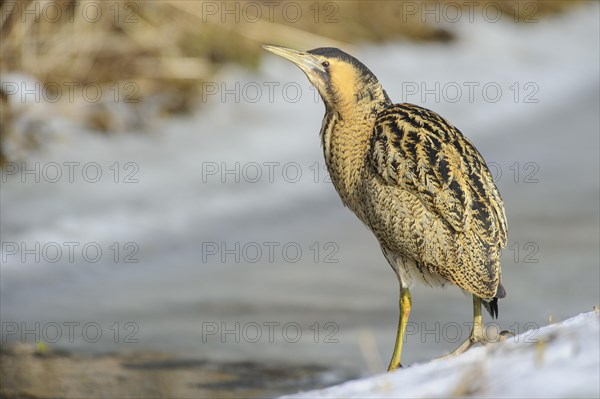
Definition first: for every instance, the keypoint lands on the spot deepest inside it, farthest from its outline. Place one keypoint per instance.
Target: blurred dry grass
(174, 45)
(168, 48)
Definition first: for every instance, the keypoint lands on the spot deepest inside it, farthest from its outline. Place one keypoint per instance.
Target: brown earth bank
(26, 372)
(168, 53)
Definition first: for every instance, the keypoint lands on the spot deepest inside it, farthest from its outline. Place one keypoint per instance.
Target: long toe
(461, 349)
(506, 334)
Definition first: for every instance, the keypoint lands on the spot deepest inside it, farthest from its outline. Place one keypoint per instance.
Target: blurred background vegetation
(164, 50)
(154, 56)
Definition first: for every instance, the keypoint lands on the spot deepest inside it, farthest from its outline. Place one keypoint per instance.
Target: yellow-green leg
(402, 320)
(477, 334)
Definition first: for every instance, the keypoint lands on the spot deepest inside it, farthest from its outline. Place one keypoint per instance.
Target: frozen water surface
(339, 293)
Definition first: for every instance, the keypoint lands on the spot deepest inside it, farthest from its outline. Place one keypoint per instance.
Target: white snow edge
(560, 360)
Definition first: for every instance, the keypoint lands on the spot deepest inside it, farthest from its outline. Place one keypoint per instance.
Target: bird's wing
(419, 151)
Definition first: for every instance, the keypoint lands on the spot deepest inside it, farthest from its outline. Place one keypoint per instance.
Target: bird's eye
(325, 64)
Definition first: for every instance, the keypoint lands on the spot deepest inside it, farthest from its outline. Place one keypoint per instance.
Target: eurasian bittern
(417, 183)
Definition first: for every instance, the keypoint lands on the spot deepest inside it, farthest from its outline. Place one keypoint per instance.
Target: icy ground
(559, 360)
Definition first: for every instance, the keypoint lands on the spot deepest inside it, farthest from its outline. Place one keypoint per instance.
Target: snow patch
(560, 360)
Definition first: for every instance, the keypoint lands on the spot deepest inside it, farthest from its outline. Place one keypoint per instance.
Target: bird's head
(342, 80)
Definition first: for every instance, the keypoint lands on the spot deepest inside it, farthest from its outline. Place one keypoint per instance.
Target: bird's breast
(345, 146)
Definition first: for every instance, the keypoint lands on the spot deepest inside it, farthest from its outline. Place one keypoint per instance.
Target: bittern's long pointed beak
(305, 61)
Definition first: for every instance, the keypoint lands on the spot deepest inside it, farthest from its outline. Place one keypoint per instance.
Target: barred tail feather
(492, 306)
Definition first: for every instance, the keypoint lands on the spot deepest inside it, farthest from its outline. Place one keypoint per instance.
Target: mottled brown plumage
(457, 222)
(418, 184)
